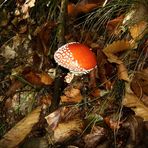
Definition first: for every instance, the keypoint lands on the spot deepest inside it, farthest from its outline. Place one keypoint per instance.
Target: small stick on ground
(61, 40)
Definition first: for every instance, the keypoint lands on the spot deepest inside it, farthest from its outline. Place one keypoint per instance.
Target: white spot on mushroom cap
(64, 58)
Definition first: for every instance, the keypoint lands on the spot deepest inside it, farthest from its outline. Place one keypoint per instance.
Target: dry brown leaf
(36, 78)
(144, 99)
(67, 130)
(122, 72)
(42, 38)
(72, 95)
(138, 30)
(85, 8)
(96, 93)
(116, 47)
(66, 99)
(15, 86)
(132, 101)
(18, 133)
(97, 134)
(112, 123)
(136, 88)
(71, 9)
(45, 78)
(33, 78)
(53, 119)
(113, 25)
(139, 84)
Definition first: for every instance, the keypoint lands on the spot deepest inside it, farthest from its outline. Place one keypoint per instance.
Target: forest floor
(106, 107)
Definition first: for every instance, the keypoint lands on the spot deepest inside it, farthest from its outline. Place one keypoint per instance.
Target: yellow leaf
(138, 30)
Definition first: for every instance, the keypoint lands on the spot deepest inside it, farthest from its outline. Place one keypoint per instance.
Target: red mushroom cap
(76, 57)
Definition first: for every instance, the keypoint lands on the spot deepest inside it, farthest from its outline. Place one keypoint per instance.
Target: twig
(62, 23)
(58, 83)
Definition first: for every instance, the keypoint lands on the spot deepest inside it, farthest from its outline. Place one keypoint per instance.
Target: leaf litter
(106, 107)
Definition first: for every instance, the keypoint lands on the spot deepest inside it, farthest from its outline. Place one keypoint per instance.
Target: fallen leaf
(72, 95)
(68, 130)
(53, 118)
(139, 83)
(105, 69)
(138, 30)
(135, 126)
(97, 134)
(132, 101)
(112, 123)
(42, 37)
(116, 47)
(96, 92)
(18, 133)
(113, 26)
(15, 86)
(136, 88)
(66, 99)
(46, 99)
(71, 9)
(8, 52)
(36, 78)
(85, 8)
(122, 72)
(46, 79)
(63, 114)
(23, 9)
(33, 78)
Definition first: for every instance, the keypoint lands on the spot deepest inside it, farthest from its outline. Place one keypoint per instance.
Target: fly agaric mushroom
(76, 57)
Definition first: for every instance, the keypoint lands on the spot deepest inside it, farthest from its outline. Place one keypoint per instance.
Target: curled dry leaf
(46, 79)
(33, 78)
(18, 133)
(85, 8)
(72, 95)
(104, 69)
(63, 114)
(116, 47)
(122, 72)
(132, 101)
(96, 92)
(67, 130)
(38, 78)
(71, 10)
(141, 78)
(138, 30)
(113, 26)
(53, 119)
(82, 7)
(112, 123)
